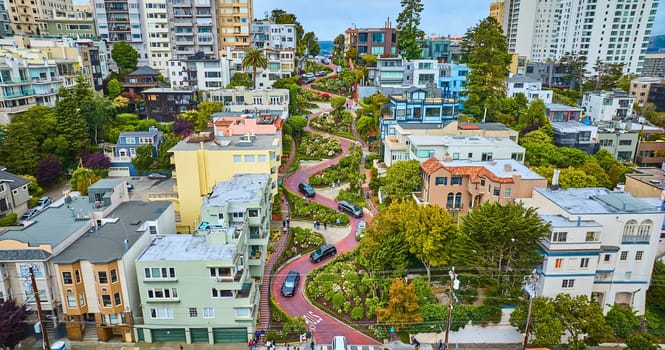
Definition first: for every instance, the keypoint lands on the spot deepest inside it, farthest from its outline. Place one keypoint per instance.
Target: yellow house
(202, 160)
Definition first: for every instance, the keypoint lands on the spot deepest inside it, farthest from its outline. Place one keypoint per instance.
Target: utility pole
(530, 289)
(35, 292)
(454, 284)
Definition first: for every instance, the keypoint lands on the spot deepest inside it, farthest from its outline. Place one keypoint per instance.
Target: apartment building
(267, 35)
(200, 71)
(397, 146)
(380, 42)
(234, 18)
(557, 112)
(657, 96)
(194, 26)
(24, 15)
(120, 20)
(460, 185)
(96, 274)
(576, 135)
(5, 23)
(46, 235)
(164, 104)
(645, 183)
(209, 159)
(497, 9)
(463, 147)
(622, 144)
(281, 64)
(441, 49)
(612, 32)
(531, 89)
(654, 65)
(601, 244)
(243, 100)
(76, 24)
(640, 87)
(14, 194)
(155, 16)
(204, 288)
(607, 105)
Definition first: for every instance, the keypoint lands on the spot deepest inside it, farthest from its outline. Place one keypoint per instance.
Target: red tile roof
(476, 172)
(431, 165)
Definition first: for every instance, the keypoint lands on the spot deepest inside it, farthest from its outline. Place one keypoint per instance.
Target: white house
(531, 88)
(601, 244)
(607, 105)
(463, 147)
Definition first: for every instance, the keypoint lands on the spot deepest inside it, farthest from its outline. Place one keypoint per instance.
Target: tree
(607, 74)
(113, 87)
(254, 58)
(182, 127)
(656, 291)
(97, 160)
(503, 238)
(338, 46)
(98, 113)
(297, 124)
(351, 53)
(163, 154)
(484, 49)
(241, 79)
(144, 159)
(640, 341)
(120, 103)
(206, 110)
(430, 233)
(81, 179)
(581, 316)
(402, 178)
(573, 66)
(22, 141)
(12, 327)
(311, 43)
(337, 103)
(48, 171)
(545, 329)
(402, 307)
(408, 32)
(365, 124)
(623, 320)
(71, 126)
(534, 114)
(124, 55)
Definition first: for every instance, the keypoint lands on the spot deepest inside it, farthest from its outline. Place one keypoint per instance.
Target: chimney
(555, 180)
(507, 168)
(447, 158)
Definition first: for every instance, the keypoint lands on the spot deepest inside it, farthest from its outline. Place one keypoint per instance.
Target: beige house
(459, 185)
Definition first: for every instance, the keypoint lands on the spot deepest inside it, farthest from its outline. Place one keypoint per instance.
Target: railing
(21, 94)
(635, 239)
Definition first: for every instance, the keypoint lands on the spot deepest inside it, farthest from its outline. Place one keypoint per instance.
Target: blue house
(416, 106)
(122, 153)
(452, 77)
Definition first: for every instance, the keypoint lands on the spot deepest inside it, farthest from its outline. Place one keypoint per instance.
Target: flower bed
(340, 172)
(306, 209)
(337, 123)
(317, 147)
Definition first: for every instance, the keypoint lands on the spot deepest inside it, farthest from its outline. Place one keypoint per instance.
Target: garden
(316, 147)
(345, 171)
(336, 123)
(337, 84)
(305, 209)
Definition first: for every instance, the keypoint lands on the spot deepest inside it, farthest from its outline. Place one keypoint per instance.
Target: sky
(328, 18)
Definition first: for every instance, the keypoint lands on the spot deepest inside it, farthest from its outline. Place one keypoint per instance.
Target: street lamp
(530, 289)
(454, 284)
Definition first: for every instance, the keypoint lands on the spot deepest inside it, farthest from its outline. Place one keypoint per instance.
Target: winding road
(324, 327)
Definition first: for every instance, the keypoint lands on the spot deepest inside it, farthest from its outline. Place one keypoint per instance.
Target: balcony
(15, 82)
(419, 198)
(116, 8)
(635, 239)
(19, 94)
(47, 81)
(182, 3)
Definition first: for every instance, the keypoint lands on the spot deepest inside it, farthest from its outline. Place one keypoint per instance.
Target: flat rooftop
(501, 168)
(242, 188)
(598, 201)
(236, 142)
(186, 248)
(468, 140)
(53, 225)
(560, 221)
(106, 244)
(651, 176)
(572, 126)
(560, 107)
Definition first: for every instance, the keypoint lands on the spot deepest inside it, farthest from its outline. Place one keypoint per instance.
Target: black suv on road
(322, 252)
(290, 283)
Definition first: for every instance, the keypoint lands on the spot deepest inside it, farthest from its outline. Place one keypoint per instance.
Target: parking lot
(144, 187)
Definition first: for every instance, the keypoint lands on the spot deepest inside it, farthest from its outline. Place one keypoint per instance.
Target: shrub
(315, 146)
(357, 313)
(10, 219)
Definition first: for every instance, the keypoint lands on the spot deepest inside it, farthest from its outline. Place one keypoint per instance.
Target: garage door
(139, 335)
(173, 334)
(199, 335)
(230, 335)
(118, 171)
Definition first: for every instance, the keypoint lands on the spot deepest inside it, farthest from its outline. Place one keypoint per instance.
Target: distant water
(326, 48)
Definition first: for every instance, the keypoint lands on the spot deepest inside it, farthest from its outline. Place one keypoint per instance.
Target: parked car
(306, 189)
(321, 73)
(323, 252)
(29, 214)
(290, 283)
(308, 75)
(157, 176)
(354, 210)
(360, 230)
(339, 343)
(43, 203)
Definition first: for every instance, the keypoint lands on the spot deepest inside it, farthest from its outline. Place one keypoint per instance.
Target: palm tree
(254, 58)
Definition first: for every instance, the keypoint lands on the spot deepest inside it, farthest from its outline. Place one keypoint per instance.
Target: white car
(43, 203)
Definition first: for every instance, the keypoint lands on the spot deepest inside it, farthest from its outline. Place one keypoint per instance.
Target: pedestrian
(314, 223)
(440, 347)
(287, 346)
(257, 335)
(312, 345)
(337, 222)
(250, 344)
(325, 225)
(288, 221)
(283, 223)
(181, 347)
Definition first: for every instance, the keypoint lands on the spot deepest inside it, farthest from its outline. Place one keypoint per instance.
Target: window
(71, 301)
(606, 258)
(237, 158)
(567, 283)
(249, 158)
(193, 312)
(102, 278)
(497, 191)
(208, 312)
(159, 272)
(67, 278)
(624, 256)
(262, 158)
(253, 213)
(455, 180)
(162, 293)
(106, 300)
(114, 276)
(441, 180)
(77, 275)
(625, 142)
(116, 299)
(506, 193)
(558, 263)
(591, 237)
(486, 156)
(559, 236)
(161, 313)
(584, 263)
(638, 255)
(222, 293)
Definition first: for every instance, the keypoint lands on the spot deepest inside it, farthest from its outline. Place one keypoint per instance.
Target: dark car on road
(350, 208)
(321, 73)
(290, 283)
(308, 80)
(323, 252)
(306, 189)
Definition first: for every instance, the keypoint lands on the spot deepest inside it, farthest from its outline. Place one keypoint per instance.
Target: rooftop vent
(135, 222)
